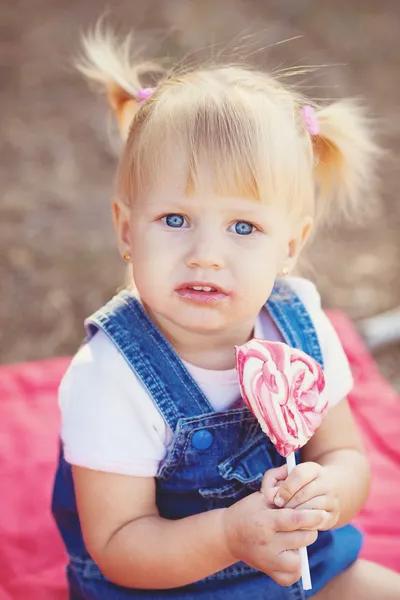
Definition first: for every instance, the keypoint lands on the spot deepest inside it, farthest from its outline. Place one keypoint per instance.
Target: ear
(121, 218)
(300, 235)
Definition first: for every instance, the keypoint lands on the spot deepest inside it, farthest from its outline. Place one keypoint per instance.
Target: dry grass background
(57, 254)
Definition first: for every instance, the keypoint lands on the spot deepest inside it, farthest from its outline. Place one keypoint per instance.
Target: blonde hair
(244, 126)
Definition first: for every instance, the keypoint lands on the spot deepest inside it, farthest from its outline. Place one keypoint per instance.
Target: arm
(337, 447)
(134, 547)
(335, 475)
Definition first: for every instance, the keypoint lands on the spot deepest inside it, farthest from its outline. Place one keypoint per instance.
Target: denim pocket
(249, 464)
(243, 471)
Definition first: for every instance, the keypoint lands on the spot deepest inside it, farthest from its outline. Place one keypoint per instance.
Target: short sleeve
(338, 376)
(108, 420)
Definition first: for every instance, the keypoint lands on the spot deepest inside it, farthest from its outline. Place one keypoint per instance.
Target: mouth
(202, 292)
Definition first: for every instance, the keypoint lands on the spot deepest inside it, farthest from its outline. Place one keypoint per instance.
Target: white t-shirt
(111, 423)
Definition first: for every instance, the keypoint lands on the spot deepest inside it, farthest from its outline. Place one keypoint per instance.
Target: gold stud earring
(285, 271)
(127, 256)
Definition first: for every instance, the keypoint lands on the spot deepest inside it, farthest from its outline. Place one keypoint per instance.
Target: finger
(287, 519)
(285, 579)
(273, 477)
(288, 561)
(326, 504)
(306, 493)
(322, 502)
(288, 564)
(293, 540)
(269, 495)
(298, 478)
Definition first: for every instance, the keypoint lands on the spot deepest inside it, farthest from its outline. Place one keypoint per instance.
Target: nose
(206, 251)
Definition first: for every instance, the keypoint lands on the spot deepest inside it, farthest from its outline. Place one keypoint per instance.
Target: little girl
(166, 486)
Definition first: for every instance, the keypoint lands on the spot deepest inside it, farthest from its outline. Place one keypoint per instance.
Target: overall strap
(151, 357)
(293, 320)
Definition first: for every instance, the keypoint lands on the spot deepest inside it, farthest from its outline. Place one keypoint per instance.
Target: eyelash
(165, 217)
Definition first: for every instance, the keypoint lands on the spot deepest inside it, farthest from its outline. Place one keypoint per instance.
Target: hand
(309, 486)
(268, 538)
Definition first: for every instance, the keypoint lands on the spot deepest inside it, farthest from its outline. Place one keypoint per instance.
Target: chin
(207, 322)
(194, 319)
(201, 328)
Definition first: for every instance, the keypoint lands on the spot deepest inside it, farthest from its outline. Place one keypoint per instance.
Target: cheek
(260, 262)
(258, 271)
(153, 262)
(145, 244)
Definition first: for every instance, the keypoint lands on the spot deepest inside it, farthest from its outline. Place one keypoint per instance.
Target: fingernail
(278, 501)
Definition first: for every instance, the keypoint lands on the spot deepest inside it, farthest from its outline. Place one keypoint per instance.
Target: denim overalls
(215, 460)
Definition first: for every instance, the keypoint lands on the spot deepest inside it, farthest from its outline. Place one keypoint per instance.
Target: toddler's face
(205, 263)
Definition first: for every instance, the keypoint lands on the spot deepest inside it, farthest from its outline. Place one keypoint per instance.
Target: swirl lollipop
(283, 387)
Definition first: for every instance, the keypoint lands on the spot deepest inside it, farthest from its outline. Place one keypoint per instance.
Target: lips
(201, 292)
(203, 287)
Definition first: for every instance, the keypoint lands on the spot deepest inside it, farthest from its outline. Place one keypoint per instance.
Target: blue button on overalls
(202, 439)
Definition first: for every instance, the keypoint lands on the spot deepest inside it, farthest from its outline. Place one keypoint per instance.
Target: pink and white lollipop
(283, 388)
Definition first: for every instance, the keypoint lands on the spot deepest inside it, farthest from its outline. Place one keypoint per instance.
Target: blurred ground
(57, 256)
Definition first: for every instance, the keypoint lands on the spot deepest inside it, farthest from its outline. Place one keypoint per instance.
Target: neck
(211, 350)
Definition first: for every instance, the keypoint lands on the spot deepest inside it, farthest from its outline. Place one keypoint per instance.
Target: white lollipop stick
(305, 567)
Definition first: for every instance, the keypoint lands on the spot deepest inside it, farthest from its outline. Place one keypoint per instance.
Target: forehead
(169, 193)
(176, 174)
(175, 180)
(240, 156)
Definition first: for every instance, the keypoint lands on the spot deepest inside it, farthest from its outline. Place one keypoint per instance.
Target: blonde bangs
(231, 141)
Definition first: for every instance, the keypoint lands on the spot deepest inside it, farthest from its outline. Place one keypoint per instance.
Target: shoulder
(108, 420)
(98, 350)
(310, 297)
(97, 362)
(307, 291)
(338, 376)
(99, 376)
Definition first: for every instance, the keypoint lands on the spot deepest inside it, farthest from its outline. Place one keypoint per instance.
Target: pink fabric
(376, 407)
(32, 558)
(31, 552)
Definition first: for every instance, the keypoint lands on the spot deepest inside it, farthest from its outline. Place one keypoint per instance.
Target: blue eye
(176, 221)
(243, 228)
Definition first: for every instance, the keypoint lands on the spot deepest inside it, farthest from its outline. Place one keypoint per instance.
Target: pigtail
(110, 62)
(345, 158)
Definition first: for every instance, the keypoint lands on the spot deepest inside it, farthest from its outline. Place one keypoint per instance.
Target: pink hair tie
(311, 119)
(144, 94)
